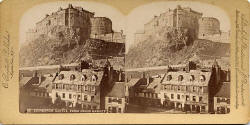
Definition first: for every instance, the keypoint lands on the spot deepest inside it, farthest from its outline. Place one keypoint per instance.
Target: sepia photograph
(76, 58)
(72, 60)
(179, 59)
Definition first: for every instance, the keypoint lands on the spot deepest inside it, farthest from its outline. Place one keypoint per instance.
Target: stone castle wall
(101, 25)
(220, 37)
(208, 26)
(75, 22)
(116, 37)
(185, 18)
(179, 17)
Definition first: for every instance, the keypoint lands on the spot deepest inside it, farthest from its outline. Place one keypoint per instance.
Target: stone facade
(73, 23)
(178, 17)
(101, 25)
(184, 18)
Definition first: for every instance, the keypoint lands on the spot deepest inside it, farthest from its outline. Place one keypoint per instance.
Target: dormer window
(169, 77)
(191, 78)
(94, 78)
(202, 78)
(180, 77)
(84, 77)
(61, 76)
(72, 77)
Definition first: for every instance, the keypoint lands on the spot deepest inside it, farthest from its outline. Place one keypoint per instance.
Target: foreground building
(85, 88)
(222, 99)
(115, 100)
(184, 88)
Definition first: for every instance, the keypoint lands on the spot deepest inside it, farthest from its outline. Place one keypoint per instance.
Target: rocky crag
(175, 46)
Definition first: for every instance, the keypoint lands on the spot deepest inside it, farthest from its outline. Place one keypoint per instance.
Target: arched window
(191, 78)
(202, 78)
(169, 77)
(72, 77)
(61, 76)
(180, 77)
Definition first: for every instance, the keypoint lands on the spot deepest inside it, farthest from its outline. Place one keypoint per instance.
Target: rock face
(63, 50)
(175, 47)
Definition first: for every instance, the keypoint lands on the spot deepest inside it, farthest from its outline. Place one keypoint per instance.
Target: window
(85, 97)
(92, 98)
(191, 78)
(56, 86)
(84, 77)
(228, 110)
(86, 88)
(93, 88)
(165, 95)
(180, 77)
(194, 98)
(94, 78)
(61, 76)
(57, 94)
(194, 88)
(119, 110)
(203, 108)
(94, 107)
(200, 89)
(72, 77)
(200, 99)
(179, 88)
(70, 96)
(218, 100)
(202, 78)
(156, 96)
(109, 109)
(187, 97)
(63, 95)
(169, 77)
(178, 96)
(172, 96)
(119, 101)
(110, 100)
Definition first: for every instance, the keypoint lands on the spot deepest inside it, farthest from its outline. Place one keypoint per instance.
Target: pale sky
(130, 23)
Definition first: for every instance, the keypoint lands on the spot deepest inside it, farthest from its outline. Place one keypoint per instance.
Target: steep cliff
(167, 47)
(53, 51)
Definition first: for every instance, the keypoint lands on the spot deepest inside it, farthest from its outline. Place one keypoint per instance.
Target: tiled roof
(47, 83)
(78, 77)
(132, 82)
(118, 90)
(224, 90)
(24, 80)
(196, 74)
(155, 85)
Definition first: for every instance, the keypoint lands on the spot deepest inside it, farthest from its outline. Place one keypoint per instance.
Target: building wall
(179, 94)
(78, 94)
(208, 26)
(100, 25)
(219, 106)
(115, 104)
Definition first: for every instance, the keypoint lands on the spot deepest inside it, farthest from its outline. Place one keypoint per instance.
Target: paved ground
(144, 109)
